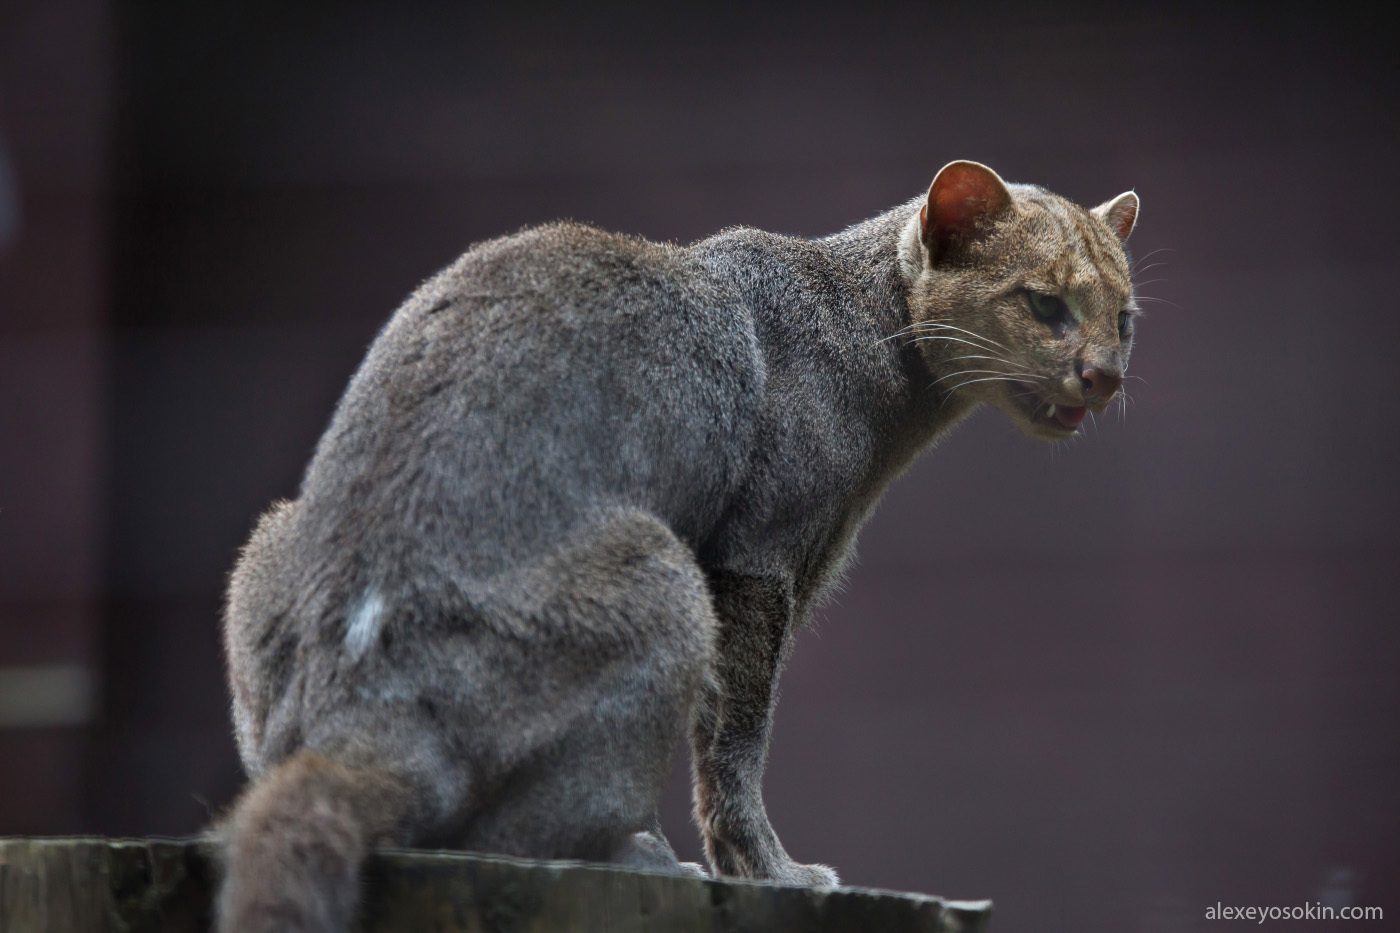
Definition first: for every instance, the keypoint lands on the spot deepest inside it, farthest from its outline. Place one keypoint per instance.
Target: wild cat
(580, 496)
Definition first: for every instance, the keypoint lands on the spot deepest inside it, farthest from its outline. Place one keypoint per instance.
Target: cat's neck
(883, 256)
(842, 302)
(872, 253)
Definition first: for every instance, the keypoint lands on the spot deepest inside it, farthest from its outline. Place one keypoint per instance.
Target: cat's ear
(963, 202)
(1120, 214)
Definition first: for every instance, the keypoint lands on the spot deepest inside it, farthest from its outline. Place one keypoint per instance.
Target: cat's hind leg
(540, 723)
(650, 850)
(613, 639)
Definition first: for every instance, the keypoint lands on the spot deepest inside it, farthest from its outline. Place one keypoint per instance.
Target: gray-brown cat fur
(578, 498)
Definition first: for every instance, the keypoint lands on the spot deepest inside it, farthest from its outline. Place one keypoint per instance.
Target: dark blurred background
(1106, 684)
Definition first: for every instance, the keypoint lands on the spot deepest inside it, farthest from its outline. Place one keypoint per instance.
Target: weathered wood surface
(165, 885)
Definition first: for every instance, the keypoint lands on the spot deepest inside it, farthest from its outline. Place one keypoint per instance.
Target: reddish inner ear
(965, 198)
(1122, 219)
(963, 194)
(1120, 214)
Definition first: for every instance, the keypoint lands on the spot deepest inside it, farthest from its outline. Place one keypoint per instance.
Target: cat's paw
(649, 851)
(806, 876)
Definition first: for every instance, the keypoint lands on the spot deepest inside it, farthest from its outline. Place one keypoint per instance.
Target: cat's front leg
(730, 734)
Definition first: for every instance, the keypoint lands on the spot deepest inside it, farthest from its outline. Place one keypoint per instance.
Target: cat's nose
(1100, 382)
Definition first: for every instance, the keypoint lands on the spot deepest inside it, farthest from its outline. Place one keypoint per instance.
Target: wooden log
(166, 885)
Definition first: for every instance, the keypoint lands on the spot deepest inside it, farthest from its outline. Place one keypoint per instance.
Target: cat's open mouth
(1064, 418)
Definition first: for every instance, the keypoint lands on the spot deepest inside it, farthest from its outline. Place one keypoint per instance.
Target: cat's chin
(1046, 432)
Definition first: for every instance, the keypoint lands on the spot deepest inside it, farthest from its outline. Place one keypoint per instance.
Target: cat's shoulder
(749, 241)
(564, 241)
(756, 259)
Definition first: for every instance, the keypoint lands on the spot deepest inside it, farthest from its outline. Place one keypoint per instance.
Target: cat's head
(1020, 298)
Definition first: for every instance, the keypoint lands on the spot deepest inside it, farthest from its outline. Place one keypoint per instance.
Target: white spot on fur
(362, 628)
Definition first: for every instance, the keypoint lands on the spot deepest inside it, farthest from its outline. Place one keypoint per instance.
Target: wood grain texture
(138, 885)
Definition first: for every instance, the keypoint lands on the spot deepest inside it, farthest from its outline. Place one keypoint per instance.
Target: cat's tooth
(1050, 412)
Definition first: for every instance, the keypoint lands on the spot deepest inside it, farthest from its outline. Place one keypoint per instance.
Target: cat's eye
(1124, 323)
(1048, 308)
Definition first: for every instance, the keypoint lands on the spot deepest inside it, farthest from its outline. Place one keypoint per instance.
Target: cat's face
(1021, 299)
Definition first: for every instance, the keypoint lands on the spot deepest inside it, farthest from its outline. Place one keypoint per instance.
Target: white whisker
(983, 379)
(1146, 269)
(1163, 249)
(948, 337)
(969, 372)
(974, 356)
(964, 330)
(898, 333)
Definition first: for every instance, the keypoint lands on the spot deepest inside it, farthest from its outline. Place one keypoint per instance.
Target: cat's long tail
(295, 843)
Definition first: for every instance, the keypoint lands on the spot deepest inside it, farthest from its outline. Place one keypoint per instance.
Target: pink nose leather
(1100, 384)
